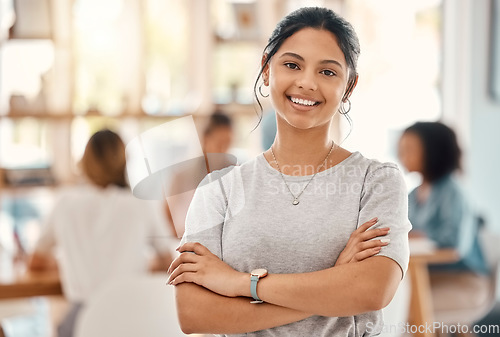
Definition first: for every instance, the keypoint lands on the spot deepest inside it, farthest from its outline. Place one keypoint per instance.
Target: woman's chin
(304, 123)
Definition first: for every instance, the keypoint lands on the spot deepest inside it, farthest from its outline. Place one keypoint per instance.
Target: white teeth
(302, 101)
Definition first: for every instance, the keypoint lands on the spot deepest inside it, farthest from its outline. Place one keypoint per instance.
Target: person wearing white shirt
(100, 229)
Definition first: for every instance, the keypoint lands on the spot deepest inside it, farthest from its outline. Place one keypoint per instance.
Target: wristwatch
(255, 276)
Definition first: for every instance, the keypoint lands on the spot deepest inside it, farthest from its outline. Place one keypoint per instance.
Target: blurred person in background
(101, 230)
(218, 134)
(216, 142)
(439, 209)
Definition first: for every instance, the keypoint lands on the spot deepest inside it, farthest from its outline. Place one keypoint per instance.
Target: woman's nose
(307, 80)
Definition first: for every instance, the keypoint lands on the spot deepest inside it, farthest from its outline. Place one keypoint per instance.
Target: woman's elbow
(186, 325)
(195, 309)
(383, 284)
(380, 300)
(381, 297)
(185, 321)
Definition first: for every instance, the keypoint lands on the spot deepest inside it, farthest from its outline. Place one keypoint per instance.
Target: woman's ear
(350, 88)
(265, 70)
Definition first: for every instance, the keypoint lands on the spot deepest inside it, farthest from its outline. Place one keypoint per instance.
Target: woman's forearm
(202, 311)
(344, 290)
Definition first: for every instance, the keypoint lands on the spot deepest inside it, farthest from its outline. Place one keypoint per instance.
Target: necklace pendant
(295, 202)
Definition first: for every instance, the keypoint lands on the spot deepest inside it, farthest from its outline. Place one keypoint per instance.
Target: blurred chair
(141, 306)
(465, 308)
(396, 313)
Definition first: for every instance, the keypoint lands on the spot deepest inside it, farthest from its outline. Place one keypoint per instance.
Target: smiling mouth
(301, 101)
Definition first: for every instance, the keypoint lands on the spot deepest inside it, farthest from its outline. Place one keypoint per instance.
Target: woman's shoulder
(448, 185)
(372, 167)
(90, 193)
(232, 177)
(77, 191)
(233, 170)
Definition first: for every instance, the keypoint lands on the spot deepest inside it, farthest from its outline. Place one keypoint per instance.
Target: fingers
(362, 233)
(366, 225)
(182, 258)
(369, 248)
(194, 247)
(373, 233)
(363, 243)
(366, 253)
(184, 277)
(372, 244)
(187, 255)
(185, 268)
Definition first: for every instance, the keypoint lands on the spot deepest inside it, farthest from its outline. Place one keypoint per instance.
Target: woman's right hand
(361, 246)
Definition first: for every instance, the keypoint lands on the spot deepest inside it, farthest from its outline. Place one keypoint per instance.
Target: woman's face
(307, 78)
(411, 152)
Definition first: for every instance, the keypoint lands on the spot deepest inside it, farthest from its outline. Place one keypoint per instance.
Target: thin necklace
(296, 197)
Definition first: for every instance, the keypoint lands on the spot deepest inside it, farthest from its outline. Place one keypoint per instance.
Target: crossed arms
(214, 298)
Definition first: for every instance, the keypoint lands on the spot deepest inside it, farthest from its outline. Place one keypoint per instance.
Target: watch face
(259, 272)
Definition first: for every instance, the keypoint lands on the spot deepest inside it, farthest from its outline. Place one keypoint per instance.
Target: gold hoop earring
(260, 91)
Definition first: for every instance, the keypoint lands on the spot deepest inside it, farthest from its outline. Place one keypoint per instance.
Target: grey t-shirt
(244, 215)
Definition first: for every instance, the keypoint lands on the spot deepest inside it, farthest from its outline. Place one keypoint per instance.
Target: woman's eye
(292, 65)
(328, 72)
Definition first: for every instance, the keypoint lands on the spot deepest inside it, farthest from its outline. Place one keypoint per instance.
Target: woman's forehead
(320, 44)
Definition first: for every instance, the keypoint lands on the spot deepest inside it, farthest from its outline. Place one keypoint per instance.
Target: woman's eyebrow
(333, 62)
(300, 58)
(289, 54)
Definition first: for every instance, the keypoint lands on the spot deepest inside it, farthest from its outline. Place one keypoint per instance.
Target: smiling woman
(303, 222)
(309, 77)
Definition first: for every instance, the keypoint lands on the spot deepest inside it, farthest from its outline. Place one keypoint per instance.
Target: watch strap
(254, 279)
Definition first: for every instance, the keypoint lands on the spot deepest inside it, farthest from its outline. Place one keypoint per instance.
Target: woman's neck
(301, 147)
(301, 152)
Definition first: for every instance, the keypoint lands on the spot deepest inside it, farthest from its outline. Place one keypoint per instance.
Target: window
(237, 52)
(25, 75)
(166, 34)
(107, 56)
(399, 71)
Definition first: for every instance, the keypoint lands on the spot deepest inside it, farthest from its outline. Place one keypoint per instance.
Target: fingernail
(386, 229)
(374, 219)
(177, 249)
(385, 240)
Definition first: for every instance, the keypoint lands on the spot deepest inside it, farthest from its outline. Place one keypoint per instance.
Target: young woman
(439, 210)
(284, 227)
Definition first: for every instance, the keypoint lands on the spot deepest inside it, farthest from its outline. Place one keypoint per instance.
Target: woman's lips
(302, 103)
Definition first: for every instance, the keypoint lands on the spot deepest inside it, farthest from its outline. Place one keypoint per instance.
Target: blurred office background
(71, 67)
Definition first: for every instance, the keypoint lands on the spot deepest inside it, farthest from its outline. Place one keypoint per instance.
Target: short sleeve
(384, 196)
(206, 213)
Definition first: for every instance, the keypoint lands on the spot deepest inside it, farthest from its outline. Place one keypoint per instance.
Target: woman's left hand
(196, 264)
(361, 244)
